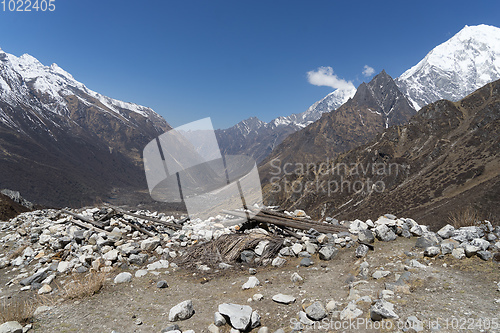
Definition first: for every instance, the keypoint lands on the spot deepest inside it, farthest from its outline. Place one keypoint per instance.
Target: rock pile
(49, 245)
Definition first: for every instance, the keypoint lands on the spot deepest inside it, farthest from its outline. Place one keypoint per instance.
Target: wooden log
(88, 226)
(312, 224)
(136, 227)
(286, 223)
(83, 218)
(282, 215)
(152, 219)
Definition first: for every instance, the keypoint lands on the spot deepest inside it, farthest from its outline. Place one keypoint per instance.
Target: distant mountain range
(446, 158)
(64, 144)
(257, 138)
(452, 70)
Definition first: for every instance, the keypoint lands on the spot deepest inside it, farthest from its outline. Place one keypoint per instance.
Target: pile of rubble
(42, 246)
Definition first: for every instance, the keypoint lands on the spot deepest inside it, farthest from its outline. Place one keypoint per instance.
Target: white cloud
(368, 71)
(324, 76)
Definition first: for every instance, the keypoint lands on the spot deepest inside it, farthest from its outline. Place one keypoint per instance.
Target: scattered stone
(252, 271)
(161, 284)
(247, 256)
(482, 244)
(181, 311)
(296, 278)
(11, 327)
(382, 309)
(448, 245)
(45, 289)
(446, 232)
(261, 247)
(311, 248)
(219, 319)
(160, 264)
(316, 311)
(304, 254)
(111, 255)
(41, 309)
(426, 241)
(384, 233)
(350, 312)
(432, 251)
(283, 299)
(380, 274)
(485, 255)
(458, 253)
(150, 244)
(287, 252)
(328, 252)
(239, 315)
(416, 264)
(223, 265)
(297, 248)
(212, 328)
(36, 278)
(254, 320)
(123, 277)
(140, 273)
(361, 251)
(258, 297)
(366, 236)
(304, 319)
(416, 231)
(306, 262)
(332, 306)
(278, 262)
(138, 259)
(263, 329)
(251, 283)
(471, 250)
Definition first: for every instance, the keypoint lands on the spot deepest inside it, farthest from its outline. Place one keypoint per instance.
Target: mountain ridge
(64, 144)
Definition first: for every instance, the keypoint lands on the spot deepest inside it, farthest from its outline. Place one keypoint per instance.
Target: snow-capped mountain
(51, 86)
(62, 143)
(257, 138)
(456, 68)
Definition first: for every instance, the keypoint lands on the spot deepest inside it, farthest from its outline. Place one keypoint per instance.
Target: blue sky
(232, 59)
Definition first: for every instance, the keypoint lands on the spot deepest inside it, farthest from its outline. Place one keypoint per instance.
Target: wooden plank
(88, 226)
(83, 218)
(136, 227)
(152, 219)
(282, 215)
(287, 222)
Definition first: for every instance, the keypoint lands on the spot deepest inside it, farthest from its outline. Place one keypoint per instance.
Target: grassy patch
(465, 217)
(86, 286)
(17, 310)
